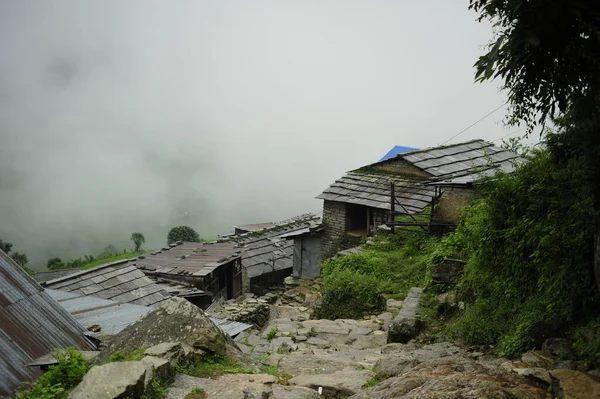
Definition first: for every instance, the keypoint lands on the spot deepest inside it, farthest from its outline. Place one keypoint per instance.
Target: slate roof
(373, 190)
(32, 325)
(463, 159)
(118, 281)
(255, 226)
(397, 149)
(42, 277)
(113, 317)
(261, 248)
(193, 258)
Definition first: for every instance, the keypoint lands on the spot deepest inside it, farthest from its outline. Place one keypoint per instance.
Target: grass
(197, 393)
(103, 261)
(272, 334)
(371, 383)
(214, 366)
(135, 355)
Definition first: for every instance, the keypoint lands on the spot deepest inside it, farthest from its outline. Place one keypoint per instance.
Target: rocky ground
(352, 359)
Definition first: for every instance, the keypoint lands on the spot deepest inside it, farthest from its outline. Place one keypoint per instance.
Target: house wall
(335, 224)
(378, 217)
(399, 167)
(307, 256)
(447, 208)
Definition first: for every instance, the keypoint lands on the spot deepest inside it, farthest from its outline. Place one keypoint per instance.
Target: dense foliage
(354, 285)
(530, 239)
(18, 257)
(182, 233)
(60, 379)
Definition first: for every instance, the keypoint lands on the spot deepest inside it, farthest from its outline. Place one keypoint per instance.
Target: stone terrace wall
(335, 223)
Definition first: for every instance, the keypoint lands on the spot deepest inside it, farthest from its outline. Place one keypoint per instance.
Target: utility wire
(473, 124)
(510, 134)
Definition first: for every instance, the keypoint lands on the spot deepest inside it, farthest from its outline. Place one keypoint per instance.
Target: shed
(32, 325)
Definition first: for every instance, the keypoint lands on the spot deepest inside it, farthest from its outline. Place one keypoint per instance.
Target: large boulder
(447, 271)
(176, 320)
(573, 384)
(407, 324)
(112, 381)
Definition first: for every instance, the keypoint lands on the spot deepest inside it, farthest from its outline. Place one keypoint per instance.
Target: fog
(122, 116)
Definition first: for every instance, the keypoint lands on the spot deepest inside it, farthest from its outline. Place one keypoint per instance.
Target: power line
(473, 124)
(510, 134)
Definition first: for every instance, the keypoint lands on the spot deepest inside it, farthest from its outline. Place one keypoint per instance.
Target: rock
(338, 384)
(176, 320)
(575, 384)
(448, 305)
(112, 380)
(406, 325)
(447, 271)
(536, 373)
(321, 343)
(283, 392)
(171, 351)
(291, 281)
(579, 365)
(394, 366)
(156, 367)
(326, 327)
(230, 386)
(298, 363)
(300, 338)
(394, 303)
(360, 331)
(559, 347)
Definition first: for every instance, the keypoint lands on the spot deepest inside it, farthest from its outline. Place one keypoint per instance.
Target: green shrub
(213, 366)
(587, 342)
(182, 233)
(60, 379)
(197, 393)
(348, 294)
(531, 244)
(119, 356)
(272, 334)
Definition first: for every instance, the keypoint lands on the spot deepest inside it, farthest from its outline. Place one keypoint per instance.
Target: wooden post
(392, 205)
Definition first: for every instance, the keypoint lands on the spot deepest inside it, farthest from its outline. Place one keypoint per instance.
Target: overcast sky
(121, 116)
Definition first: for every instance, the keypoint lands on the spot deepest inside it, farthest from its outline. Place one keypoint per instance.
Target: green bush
(182, 233)
(531, 244)
(60, 379)
(348, 294)
(587, 342)
(272, 334)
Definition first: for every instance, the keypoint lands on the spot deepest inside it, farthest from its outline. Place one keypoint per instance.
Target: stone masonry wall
(400, 167)
(448, 207)
(335, 223)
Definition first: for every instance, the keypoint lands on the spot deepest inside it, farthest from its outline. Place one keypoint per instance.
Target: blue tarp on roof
(398, 149)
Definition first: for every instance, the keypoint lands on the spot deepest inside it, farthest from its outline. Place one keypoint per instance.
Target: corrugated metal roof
(113, 317)
(32, 324)
(373, 190)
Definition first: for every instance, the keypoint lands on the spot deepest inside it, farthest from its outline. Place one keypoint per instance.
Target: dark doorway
(357, 219)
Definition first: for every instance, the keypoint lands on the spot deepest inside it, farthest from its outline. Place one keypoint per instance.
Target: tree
(138, 239)
(5, 246)
(55, 264)
(182, 233)
(548, 54)
(20, 258)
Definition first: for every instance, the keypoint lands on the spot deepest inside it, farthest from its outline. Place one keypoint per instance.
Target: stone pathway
(352, 359)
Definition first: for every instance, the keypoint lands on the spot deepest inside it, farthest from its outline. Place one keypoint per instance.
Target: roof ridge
(87, 271)
(440, 147)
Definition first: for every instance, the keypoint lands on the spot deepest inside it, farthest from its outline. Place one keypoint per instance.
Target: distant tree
(109, 250)
(20, 258)
(5, 246)
(138, 239)
(55, 264)
(182, 233)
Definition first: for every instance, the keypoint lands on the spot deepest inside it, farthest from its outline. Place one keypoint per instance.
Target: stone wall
(378, 217)
(399, 167)
(335, 223)
(447, 208)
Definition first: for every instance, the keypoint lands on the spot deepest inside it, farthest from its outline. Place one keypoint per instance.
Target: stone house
(439, 178)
